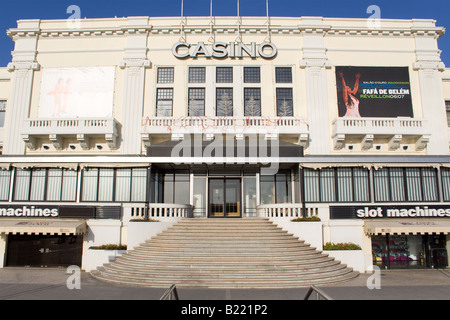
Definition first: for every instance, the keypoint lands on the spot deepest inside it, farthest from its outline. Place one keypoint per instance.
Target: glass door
(224, 197)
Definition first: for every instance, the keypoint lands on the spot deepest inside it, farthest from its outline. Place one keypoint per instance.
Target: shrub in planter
(110, 247)
(341, 246)
(313, 218)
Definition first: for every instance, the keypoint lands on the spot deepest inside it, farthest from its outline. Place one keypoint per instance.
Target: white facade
(139, 83)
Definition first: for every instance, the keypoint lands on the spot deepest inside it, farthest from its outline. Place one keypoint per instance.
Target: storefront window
(409, 251)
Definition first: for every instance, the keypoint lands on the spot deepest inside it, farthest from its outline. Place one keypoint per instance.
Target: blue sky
(11, 11)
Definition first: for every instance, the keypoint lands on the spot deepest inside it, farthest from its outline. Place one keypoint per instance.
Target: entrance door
(224, 197)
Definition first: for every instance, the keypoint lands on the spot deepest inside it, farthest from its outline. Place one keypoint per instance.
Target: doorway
(224, 198)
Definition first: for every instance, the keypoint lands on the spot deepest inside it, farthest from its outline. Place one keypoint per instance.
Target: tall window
(445, 175)
(5, 182)
(447, 108)
(284, 102)
(164, 102)
(224, 102)
(252, 102)
(196, 98)
(2, 113)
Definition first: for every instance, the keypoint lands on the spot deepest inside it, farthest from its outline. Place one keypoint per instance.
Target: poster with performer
(77, 92)
(373, 92)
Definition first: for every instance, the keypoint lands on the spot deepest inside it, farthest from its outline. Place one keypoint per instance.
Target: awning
(43, 227)
(406, 227)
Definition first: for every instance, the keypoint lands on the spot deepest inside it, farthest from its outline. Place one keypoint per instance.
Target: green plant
(313, 218)
(110, 247)
(341, 246)
(144, 220)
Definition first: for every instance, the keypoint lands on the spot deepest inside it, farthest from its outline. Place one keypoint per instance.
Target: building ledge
(394, 130)
(80, 128)
(270, 127)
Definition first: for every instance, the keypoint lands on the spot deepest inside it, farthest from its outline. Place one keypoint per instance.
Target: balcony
(271, 127)
(368, 129)
(80, 128)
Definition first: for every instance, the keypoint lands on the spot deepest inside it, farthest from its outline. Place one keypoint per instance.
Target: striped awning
(45, 227)
(406, 227)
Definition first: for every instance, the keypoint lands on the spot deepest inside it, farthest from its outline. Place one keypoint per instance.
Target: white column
(429, 65)
(134, 63)
(315, 63)
(23, 66)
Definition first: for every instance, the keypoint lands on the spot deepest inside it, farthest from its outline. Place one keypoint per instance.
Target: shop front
(410, 251)
(403, 237)
(46, 236)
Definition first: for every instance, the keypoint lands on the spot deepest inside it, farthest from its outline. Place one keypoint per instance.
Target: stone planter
(352, 258)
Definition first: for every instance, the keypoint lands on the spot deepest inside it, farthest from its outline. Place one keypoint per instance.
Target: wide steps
(224, 253)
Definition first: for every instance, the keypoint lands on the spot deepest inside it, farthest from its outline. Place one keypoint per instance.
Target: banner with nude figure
(77, 92)
(373, 92)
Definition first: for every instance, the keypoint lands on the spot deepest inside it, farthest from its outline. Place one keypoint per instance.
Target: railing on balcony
(387, 126)
(70, 126)
(161, 125)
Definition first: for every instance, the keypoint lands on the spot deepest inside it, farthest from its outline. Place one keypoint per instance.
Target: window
(445, 175)
(283, 75)
(2, 113)
(276, 188)
(447, 108)
(224, 102)
(197, 75)
(5, 181)
(196, 102)
(252, 100)
(164, 102)
(165, 75)
(114, 184)
(224, 75)
(45, 184)
(337, 185)
(284, 102)
(252, 75)
(175, 187)
(405, 184)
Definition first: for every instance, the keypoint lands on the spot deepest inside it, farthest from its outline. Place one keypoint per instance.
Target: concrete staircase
(224, 253)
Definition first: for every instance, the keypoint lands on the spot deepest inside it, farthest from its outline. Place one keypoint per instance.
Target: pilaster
(22, 66)
(134, 63)
(315, 62)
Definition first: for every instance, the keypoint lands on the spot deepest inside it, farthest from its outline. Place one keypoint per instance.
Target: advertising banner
(373, 92)
(77, 92)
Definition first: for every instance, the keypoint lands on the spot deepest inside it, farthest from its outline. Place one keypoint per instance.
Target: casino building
(104, 121)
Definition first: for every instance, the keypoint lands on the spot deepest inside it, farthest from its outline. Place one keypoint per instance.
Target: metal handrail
(170, 294)
(319, 293)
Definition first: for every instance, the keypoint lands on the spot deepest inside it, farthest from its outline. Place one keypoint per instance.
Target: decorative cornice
(435, 32)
